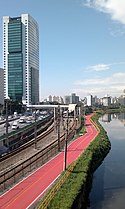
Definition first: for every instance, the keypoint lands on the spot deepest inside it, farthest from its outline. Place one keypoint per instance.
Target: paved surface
(24, 194)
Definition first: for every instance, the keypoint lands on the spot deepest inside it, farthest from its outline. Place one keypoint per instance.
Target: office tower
(21, 59)
(73, 99)
(89, 100)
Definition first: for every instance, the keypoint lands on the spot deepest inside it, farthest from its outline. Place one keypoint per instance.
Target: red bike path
(28, 191)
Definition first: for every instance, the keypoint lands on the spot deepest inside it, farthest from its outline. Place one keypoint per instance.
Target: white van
(15, 125)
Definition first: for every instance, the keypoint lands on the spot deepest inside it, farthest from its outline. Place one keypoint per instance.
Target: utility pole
(80, 116)
(66, 138)
(7, 140)
(75, 120)
(54, 120)
(35, 132)
(58, 127)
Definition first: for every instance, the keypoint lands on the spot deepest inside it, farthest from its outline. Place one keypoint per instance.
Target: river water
(108, 189)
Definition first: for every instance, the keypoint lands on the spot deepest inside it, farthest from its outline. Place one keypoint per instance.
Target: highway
(28, 191)
(11, 121)
(3, 128)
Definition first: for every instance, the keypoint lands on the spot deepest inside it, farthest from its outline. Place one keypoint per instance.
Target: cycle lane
(33, 187)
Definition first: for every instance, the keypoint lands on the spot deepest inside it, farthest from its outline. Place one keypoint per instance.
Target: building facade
(89, 100)
(71, 99)
(121, 100)
(58, 99)
(1, 86)
(106, 101)
(21, 59)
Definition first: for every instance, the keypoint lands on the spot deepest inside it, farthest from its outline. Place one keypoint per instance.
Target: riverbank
(111, 110)
(75, 189)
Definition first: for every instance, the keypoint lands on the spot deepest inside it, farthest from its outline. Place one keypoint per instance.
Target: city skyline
(82, 44)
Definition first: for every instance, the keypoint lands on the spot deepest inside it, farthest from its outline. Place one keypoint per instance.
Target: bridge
(71, 107)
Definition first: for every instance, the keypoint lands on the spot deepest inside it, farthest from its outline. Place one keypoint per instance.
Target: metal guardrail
(12, 175)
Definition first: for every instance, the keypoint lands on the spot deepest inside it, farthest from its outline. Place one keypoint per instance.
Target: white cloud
(102, 67)
(113, 85)
(99, 67)
(115, 8)
(89, 82)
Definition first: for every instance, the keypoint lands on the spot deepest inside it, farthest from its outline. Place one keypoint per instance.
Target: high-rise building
(106, 101)
(21, 58)
(89, 100)
(71, 99)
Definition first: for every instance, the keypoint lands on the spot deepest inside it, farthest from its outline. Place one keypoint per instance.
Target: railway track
(22, 162)
(26, 150)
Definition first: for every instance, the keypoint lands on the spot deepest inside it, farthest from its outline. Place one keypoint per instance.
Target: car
(15, 125)
(5, 124)
(10, 117)
(22, 120)
(29, 121)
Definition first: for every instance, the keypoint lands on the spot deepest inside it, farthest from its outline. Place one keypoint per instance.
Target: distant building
(1, 86)
(114, 101)
(106, 101)
(21, 58)
(61, 101)
(50, 98)
(106, 118)
(89, 100)
(55, 98)
(95, 101)
(58, 99)
(67, 99)
(121, 100)
(71, 99)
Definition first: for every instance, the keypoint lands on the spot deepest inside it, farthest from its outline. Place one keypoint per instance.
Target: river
(108, 189)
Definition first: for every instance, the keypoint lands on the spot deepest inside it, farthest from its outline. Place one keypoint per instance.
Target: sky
(82, 44)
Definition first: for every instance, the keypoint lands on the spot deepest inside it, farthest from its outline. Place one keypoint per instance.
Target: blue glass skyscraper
(21, 59)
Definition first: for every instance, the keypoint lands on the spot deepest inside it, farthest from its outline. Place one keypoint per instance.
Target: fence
(14, 174)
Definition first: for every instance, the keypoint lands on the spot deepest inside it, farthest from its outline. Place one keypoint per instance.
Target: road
(11, 121)
(3, 128)
(27, 192)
